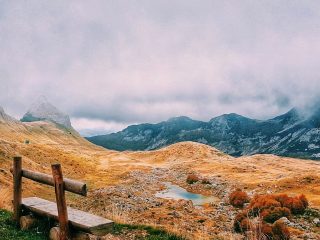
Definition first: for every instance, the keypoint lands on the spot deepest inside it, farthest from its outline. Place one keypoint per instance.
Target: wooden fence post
(17, 188)
(61, 201)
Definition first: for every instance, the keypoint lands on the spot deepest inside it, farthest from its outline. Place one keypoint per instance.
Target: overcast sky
(109, 64)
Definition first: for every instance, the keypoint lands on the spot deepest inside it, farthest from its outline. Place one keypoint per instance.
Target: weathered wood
(27, 222)
(17, 188)
(54, 234)
(61, 201)
(79, 220)
(69, 184)
(84, 236)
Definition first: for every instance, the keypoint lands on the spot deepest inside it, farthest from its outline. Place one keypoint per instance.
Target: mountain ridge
(291, 134)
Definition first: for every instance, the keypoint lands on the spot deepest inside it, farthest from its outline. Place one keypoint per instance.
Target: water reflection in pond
(175, 192)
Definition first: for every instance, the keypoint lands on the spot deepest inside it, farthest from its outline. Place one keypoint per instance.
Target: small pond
(176, 192)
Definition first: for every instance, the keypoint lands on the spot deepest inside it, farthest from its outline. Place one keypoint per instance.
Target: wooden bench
(59, 211)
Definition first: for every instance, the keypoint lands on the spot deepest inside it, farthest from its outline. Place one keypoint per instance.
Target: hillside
(122, 185)
(292, 134)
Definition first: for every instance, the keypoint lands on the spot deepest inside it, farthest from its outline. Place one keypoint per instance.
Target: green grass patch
(153, 233)
(9, 231)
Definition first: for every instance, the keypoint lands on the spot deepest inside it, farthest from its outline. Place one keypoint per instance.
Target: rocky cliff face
(42, 110)
(290, 134)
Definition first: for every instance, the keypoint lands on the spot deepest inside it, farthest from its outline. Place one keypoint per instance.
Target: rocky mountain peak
(5, 118)
(42, 110)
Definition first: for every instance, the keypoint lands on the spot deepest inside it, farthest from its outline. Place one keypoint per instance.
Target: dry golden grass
(101, 167)
(5, 198)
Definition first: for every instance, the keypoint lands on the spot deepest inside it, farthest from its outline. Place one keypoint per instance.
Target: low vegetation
(263, 215)
(192, 178)
(296, 205)
(152, 233)
(238, 198)
(274, 213)
(9, 231)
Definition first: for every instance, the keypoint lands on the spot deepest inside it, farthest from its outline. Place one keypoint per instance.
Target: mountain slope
(290, 134)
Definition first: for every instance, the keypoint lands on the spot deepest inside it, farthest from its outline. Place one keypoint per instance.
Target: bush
(270, 207)
(276, 231)
(272, 214)
(297, 204)
(304, 201)
(266, 231)
(192, 178)
(261, 202)
(242, 223)
(280, 231)
(238, 198)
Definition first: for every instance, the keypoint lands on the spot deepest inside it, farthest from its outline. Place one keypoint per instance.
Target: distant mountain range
(291, 134)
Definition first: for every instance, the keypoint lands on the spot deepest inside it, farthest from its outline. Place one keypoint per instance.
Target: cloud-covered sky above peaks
(113, 63)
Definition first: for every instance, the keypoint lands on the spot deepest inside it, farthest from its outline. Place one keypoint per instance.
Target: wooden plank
(78, 219)
(69, 184)
(17, 188)
(61, 201)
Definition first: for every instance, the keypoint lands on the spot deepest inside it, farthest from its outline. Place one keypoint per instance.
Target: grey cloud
(142, 61)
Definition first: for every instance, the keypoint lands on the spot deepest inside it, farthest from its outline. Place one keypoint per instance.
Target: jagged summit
(43, 110)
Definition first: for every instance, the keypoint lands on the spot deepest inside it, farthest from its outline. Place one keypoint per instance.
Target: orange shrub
(297, 204)
(242, 223)
(304, 200)
(280, 231)
(276, 231)
(272, 214)
(238, 198)
(281, 198)
(192, 178)
(265, 231)
(261, 202)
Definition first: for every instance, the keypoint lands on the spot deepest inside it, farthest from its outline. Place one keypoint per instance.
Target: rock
(316, 222)
(27, 222)
(286, 221)
(54, 233)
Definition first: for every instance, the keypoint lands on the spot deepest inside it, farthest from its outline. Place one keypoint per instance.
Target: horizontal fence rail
(69, 184)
